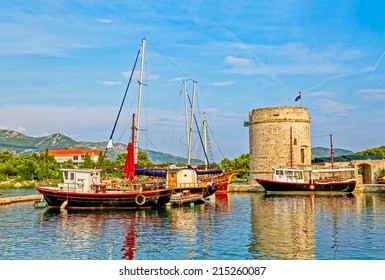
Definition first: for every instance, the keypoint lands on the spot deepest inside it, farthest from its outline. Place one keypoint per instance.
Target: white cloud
(223, 83)
(373, 93)
(110, 83)
(105, 20)
(238, 62)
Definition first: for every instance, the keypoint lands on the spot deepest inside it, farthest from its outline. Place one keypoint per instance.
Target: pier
(14, 199)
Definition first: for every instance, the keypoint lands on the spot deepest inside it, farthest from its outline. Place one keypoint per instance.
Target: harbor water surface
(237, 226)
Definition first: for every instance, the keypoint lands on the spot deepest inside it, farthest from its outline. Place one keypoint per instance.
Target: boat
(221, 181)
(186, 198)
(181, 179)
(82, 189)
(296, 179)
(310, 179)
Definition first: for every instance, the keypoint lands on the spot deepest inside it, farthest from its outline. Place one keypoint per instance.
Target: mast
(331, 151)
(186, 113)
(205, 136)
(136, 142)
(291, 147)
(191, 124)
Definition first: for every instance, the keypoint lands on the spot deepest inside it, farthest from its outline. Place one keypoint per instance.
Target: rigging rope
(125, 94)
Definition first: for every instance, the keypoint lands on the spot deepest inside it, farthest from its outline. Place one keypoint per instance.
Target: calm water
(234, 227)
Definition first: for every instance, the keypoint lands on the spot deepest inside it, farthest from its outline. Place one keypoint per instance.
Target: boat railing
(126, 185)
(188, 185)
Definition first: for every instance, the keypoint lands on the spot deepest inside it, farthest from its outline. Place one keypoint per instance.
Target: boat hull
(271, 186)
(204, 191)
(115, 200)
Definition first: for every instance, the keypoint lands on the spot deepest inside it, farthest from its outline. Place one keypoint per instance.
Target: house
(77, 156)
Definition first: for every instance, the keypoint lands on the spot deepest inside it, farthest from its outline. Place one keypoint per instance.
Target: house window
(76, 157)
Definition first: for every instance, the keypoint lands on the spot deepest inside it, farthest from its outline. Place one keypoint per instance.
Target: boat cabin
(182, 178)
(80, 180)
(282, 174)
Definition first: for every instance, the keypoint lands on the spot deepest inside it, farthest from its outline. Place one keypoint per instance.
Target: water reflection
(317, 226)
(234, 226)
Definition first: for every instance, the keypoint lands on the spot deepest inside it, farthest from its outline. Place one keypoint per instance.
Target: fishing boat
(311, 179)
(82, 188)
(295, 179)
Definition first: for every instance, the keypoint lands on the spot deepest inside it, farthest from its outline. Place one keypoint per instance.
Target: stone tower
(278, 136)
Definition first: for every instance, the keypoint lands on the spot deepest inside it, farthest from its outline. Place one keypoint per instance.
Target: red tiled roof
(72, 152)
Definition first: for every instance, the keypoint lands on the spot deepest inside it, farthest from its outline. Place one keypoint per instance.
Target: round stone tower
(279, 136)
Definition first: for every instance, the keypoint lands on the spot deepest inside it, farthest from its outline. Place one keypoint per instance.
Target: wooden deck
(14, 199)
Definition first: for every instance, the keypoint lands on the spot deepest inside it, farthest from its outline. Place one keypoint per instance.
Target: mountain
(20, 144)
(325, 152)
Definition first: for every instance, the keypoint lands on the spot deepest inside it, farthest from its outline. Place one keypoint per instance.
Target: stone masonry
(270, 133)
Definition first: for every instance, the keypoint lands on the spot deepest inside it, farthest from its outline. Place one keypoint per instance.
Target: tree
(88, 163)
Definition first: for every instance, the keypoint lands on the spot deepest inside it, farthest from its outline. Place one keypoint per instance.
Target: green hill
(20, 144)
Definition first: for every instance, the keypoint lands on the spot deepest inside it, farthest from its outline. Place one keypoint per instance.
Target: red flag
(129, 165)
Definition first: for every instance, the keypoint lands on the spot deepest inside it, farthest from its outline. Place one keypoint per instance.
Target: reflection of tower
(283, 227)
(270, 141)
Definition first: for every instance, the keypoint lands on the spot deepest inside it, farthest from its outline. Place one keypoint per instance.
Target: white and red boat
(292, 179)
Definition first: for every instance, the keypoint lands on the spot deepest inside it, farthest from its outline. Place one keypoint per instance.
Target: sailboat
(288, 179)
(83, 188)
(186, 178)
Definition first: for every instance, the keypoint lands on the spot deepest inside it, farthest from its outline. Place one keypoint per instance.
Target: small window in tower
(303, 156)
(295, 141)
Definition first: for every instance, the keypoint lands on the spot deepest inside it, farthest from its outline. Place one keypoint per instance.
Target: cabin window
(303, 156)
(298, 175)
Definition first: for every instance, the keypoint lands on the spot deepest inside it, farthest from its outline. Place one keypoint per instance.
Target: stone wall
(270, 132)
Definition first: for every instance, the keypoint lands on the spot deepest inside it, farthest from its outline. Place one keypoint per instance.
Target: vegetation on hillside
(380, 151)
(42, 166)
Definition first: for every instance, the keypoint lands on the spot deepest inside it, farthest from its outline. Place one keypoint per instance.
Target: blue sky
(64, 68)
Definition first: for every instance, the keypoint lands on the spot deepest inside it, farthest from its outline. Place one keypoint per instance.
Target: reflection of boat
(185, 197)
(82, 188)
(292, 179)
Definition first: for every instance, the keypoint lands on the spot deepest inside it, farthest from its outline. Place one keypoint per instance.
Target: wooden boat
(291, 179)
(181, 179)
(221, 181)
(186, 198)
(82, 188)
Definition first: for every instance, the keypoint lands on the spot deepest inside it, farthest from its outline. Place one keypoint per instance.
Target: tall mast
(186, 113)
(191, 124)
(136, 143)
(205, 136)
